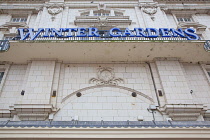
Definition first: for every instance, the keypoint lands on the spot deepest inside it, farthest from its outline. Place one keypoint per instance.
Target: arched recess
(105, 102)
(112, 86)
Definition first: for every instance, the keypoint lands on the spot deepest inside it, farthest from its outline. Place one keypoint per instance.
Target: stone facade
(65, 90)
(104, 102)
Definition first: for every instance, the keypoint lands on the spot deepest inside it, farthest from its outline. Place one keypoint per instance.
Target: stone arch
(112, 86)
(105, 102)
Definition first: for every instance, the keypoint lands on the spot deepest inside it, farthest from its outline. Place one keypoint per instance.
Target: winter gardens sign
(31, 34)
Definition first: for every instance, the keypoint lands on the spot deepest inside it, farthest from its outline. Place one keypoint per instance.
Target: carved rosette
(149, 8)
(54, 10)
(105, 76)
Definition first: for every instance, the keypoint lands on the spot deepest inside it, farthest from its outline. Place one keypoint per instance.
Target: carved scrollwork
(105, 76)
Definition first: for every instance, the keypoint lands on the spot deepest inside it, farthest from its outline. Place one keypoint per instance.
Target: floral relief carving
(105, 76)
(54, 10)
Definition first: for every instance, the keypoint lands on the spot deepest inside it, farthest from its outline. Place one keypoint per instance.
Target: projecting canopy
(105, 51)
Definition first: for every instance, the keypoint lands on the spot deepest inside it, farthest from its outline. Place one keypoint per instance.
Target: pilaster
(179, 101)
(39, 82)
(174, 82)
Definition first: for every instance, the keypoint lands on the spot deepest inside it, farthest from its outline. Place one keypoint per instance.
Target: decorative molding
(199, 132)
(149, 8)
(54, 9)
(105, 76)
(148, 99)
(184, 112)
(102, 22)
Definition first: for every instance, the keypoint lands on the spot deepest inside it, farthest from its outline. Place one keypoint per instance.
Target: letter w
(30, 33)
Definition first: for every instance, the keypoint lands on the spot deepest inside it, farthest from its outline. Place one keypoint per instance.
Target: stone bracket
(32, 111)
(184, 112)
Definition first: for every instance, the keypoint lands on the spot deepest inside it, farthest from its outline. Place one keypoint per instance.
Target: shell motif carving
(105, 76)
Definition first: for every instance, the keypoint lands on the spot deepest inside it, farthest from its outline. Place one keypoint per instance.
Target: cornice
(132, 4)
(144, 132)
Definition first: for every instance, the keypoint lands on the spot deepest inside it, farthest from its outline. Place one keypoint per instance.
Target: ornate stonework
(54, 10)
(143, 96)
(149, 8)
(101, 6)
(103, 21)
(105, 76)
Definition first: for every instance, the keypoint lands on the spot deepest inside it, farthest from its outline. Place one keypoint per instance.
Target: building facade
(64, 74)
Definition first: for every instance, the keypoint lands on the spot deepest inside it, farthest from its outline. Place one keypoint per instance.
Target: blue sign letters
(188, 33)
